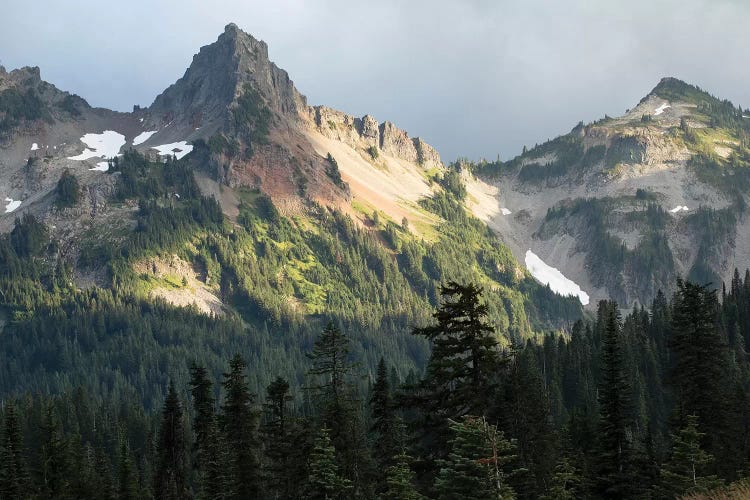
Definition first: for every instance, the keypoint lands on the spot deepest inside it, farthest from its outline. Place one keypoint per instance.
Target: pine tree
(699, 376)
(14, 476)
(170, 479)
(465, 353)
(127, 488)
(565, 483)
(615, 476)
(334, 393)
(524, 413)
(239, 423)
(208, 442)
(276, 430)
(55, 462)
(684, 472)
(474, 467)
(399, 480)
(384, 426)
(324, 480)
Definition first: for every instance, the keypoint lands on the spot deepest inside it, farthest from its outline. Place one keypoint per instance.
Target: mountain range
(620, 207)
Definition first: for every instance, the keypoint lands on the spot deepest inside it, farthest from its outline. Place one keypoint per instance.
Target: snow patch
(34, 146)
(505, 211)
(661, 109)
(104, 145)
(102, 166)
(140, 120)
(555, 279)
(178, 149)
(679, 208)
(11, 205)
(143, 137)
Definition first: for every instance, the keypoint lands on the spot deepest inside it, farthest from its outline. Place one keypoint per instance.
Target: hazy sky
(475, 78)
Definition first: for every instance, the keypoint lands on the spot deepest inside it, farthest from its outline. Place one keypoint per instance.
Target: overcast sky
(475, 78)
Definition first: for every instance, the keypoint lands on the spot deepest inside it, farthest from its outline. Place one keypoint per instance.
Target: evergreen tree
(239, 423)
(127, 474)
(324, 480)
(616, 475)
(55, 464)
(276, 430)
(340, 413)
(565, 483)
(465, 353)
(474, 467)
(399, 480)
(14, 477)
(524, 413)
(170, 479)
(699, 376)
(384, 425)
(685, 471)
(208, 443)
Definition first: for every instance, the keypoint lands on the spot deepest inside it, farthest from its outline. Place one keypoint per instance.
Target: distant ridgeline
(276, 280)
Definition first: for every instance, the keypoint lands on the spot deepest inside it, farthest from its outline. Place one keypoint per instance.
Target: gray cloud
(475, 78)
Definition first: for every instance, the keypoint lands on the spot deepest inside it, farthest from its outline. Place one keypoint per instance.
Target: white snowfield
(548, 275)
(104, 145)
(679, 208)
(505, 211)
(661, 109)
(102, 166)
(143, 137)
(178, 149)
(34, 146)
(11, 205)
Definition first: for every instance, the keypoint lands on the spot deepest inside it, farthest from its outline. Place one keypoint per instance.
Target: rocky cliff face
(623, 206)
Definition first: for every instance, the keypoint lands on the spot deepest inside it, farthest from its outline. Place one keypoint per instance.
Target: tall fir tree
(55, 464)
(276, 430)
(14, 475)
(340, 411)
(384, 427)
(127, 484)
(239, 423)
(208, 444)
(616, 474)
(171, 475)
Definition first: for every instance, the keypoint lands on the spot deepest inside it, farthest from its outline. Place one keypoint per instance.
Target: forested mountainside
(623, 206)
(652, 406)
(265, 220)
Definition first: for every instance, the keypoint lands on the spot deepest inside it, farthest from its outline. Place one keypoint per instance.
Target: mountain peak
(674, 89)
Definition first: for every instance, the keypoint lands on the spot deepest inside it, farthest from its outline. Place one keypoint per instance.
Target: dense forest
(650, 406)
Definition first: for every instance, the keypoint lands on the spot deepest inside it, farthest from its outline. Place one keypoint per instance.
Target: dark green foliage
(616, 475)
(171, 475)
(332, 171)
(252, 118)
(68, 190)
(373, 152)
(684, 472)
(14, 476)
(385, 428)
(399, 480)
(325, 482)
(474, 467)
(239, 423)
(452, 182)
(17, 107)
(207, 448)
